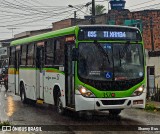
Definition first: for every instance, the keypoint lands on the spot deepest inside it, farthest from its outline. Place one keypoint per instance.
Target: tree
(99, 9)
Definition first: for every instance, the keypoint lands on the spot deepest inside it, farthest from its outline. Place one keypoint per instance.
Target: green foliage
(150, 107)
(99, 9)
(4, 123)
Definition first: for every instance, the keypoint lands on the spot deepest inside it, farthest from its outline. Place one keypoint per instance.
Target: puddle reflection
(10, 106)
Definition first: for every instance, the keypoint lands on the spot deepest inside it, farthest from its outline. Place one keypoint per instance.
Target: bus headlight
(85, 92)
(138, 91)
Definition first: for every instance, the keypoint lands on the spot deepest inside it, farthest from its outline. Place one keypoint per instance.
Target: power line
(141, 3)
(30, 21)
(65, 11)
(36, 1)
(22, 6)
(76, 11)
(28, 8)
(146, 6)
(22, 14)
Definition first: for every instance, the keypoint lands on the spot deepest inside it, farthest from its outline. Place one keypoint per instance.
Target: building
(31, 33)
(100, 19)
(4, 50)
(68, 22)
(148, 21)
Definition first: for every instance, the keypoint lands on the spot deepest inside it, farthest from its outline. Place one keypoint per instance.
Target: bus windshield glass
(110, 61)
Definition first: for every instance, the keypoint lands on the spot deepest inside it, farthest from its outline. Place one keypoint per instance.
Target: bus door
(12, 70)
(150, 81)
(69, 75)
(39, 72)
(17, 69)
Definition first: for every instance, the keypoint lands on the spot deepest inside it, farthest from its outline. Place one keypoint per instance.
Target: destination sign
(106, 34)
(110, 34)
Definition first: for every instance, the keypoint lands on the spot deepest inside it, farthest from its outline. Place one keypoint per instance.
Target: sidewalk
(3, 105)
(155, 103)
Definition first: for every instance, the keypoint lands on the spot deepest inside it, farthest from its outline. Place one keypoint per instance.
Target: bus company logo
(109, 95)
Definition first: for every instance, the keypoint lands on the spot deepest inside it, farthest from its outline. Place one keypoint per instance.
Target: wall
(154, 61)
(62, 24)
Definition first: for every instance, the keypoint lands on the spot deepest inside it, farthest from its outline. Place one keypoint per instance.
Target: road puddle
(10, 106)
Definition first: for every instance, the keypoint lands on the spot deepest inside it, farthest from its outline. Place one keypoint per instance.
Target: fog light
(137, 102)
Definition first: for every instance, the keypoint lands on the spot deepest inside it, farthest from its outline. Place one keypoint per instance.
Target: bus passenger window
(49, 52)
(59, 52)
(23, 55)
(12, 56)
(30, 54)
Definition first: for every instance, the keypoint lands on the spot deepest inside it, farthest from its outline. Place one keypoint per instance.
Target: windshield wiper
(123, 51)
(102, 50)
(126, 45)
(120, 62)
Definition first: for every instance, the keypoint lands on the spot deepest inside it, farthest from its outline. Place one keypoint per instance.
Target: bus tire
(23, 94)
(59, 105)
(114, 112)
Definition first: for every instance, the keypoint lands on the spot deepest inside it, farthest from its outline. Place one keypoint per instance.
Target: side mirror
(75, 54)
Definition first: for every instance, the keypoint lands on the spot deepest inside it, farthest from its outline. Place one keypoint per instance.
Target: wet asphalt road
(17, 113)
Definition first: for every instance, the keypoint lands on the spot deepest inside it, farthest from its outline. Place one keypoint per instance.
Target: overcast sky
(17, 16)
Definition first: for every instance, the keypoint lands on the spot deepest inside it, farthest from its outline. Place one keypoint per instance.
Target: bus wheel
(60, 108)
(23, 94)
(114, 112)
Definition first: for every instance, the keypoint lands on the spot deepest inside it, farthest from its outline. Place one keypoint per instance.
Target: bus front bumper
(83, 103)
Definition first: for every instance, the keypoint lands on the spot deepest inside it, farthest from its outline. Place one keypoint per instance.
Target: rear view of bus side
(81, 68)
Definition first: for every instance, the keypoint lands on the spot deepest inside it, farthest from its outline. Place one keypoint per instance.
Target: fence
(156, 94)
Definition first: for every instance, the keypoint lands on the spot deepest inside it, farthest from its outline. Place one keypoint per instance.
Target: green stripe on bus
(28, 68)
(46, 69)
(58, 33)
(53, 69)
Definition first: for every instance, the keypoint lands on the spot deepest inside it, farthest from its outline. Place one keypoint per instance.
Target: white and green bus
(81, 68)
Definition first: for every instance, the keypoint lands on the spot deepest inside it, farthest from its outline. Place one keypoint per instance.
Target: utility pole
(108, 5)
(75, 17)
(151, 31)
(93, 12)
(12, 28)
(108, 13)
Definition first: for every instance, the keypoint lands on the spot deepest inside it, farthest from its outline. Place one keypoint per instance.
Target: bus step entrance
(40, 101)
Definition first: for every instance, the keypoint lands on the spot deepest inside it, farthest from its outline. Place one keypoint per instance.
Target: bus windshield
(110, 61)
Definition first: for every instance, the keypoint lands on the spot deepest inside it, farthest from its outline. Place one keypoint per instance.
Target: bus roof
(61, 32)
(129, 27)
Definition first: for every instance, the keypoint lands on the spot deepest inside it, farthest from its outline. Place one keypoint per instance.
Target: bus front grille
(113, 102)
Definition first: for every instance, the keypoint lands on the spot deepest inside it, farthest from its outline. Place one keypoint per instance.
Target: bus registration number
(109, 95)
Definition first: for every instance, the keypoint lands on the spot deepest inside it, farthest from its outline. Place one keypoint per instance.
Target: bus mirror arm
(75, 54)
